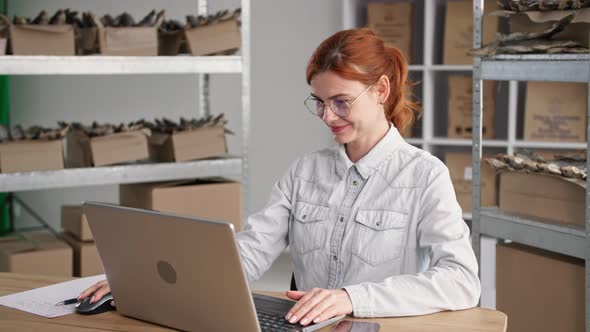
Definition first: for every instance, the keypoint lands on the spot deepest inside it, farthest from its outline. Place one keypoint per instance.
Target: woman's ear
(383, 88)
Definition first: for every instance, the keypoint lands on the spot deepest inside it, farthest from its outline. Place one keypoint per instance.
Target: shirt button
(354, 183)
(378, 223)
(303, 216)
(341, 219)
(335, 257)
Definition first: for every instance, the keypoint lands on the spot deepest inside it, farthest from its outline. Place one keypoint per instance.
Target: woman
(373, 224)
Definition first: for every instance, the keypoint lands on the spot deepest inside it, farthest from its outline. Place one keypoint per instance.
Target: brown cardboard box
(214, 38)
(137, 41)
(460, 169)
(171, 43)
(543, 196)
(86, 260)
(42, 40)
(188, 145)
(458, 39)
(539, 290)
(28, 156)
(394, 23)
(556, 112)
(74, 222)
(215, 199)
(106, 150)
(535, 21)
(35, 253)
(87, 41)
(461, 106)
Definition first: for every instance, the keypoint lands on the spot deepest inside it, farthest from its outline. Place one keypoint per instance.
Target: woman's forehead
(328, 83)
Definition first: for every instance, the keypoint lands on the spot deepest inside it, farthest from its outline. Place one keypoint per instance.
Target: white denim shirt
(387, 229)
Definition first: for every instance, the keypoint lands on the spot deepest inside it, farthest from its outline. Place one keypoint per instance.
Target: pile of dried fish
(193, 21)
(97, 129)
(61, 17)
(542, 5)
(168, 126)
(125, 20)
(163, 125)
(534, 42)
(566, 166)
(34, 133)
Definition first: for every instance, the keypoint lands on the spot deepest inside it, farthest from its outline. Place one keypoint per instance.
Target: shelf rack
(568, 240)
(232, 167)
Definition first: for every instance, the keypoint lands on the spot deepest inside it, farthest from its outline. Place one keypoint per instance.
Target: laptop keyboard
(274, 323)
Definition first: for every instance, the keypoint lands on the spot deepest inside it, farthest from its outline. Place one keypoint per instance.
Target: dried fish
(531, 165)
(572, 172)
(550, 168)
(497, 164)
(542, 5)
(125, 20)
(148, 20)
(523, 43)
(41, 19)
(59, 18)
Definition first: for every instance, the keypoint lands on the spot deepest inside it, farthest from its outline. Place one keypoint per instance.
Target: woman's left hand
(318, 305)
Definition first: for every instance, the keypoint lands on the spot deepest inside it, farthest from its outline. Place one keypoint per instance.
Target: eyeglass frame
(348, 105)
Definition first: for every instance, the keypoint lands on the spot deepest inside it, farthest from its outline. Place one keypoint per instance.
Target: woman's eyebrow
(334, 96)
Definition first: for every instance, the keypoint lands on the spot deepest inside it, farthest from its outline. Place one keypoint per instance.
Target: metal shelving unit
(567, 240)
(232, 167)
(570, 66)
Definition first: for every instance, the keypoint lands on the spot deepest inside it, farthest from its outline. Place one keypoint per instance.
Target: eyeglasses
(340, 107)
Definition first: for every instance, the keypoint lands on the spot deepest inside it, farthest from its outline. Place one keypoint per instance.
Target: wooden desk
(477, 319)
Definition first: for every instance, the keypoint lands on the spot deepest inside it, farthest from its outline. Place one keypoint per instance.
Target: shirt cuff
(357, 294)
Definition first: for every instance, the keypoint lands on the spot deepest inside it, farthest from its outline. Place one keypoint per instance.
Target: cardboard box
(215, 199)
(188, 145)
(539, 290)
(42, 40)
(458, 38)
(556, 112)
(35, 253)
(74, 222)
(87, 41)
(394, 23)
(214, 38)
(460, 169)
(461, 107)
(543, 197)
(535, 21)
(86, 260)
(29, 156)
(171, 43)
(106, 150)
(136, 41)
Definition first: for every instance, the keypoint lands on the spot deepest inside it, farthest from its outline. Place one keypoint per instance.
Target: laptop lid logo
(166, 272)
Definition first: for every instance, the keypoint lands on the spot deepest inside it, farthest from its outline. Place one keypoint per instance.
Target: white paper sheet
(41, 301)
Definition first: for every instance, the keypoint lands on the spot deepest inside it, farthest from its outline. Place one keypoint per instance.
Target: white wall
(284, 34)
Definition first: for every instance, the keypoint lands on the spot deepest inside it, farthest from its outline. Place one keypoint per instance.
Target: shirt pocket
(379, 235)
(308, 228)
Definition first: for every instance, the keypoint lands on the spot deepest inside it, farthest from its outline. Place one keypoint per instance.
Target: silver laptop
(181, 272)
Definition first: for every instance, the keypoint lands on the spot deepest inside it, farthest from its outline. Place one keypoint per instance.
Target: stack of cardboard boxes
(76, 232)
(35, 253)
(214, 199)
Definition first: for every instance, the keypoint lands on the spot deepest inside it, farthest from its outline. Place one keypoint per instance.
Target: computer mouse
(84, 307)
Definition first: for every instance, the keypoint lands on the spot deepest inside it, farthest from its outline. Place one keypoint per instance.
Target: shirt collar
(378, 155)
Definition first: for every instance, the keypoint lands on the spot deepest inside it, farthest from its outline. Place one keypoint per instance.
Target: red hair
(360, 55)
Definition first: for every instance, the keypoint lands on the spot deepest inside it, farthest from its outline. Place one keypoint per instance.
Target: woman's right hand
(97, 291)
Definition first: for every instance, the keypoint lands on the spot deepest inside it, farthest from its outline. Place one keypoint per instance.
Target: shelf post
(587, 272)
(477, 132)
